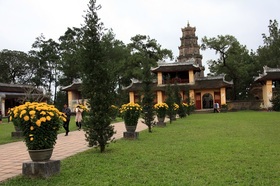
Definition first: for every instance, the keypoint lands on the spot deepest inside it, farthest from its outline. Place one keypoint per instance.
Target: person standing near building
(79, 117)
(0, 116)
(67, 112)
(216, 107)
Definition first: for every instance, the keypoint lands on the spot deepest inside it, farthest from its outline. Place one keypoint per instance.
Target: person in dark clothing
(67, 112)
(0, 116)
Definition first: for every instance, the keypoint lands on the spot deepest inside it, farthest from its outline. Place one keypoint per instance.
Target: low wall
(244, 105)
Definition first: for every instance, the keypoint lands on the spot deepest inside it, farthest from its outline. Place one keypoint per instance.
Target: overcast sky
(24, 20)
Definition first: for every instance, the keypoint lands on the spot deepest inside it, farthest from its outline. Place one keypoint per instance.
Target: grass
(7, 128)
(240, 148)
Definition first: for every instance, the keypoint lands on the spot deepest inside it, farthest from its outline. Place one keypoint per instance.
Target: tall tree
(70, 57)
(234, 61)
(16, 67)
(269, 53)
(98, 84)
(47, 54)
(146, 53)
(116, 53)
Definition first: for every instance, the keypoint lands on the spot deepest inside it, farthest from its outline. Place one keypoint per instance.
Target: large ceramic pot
(160, 119)
(173, 117)
(40, 155)
(161, 122)
(131, 128)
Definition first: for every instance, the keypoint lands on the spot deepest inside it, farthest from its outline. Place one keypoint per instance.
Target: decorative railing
(176, 80)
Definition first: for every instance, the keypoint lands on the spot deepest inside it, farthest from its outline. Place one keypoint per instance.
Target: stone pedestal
(43, 169)
(131, 135)
(161, 124)
(17, 134)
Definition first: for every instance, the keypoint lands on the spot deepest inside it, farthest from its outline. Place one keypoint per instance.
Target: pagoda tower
(190, 49)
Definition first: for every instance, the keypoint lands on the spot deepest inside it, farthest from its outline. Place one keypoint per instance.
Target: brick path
(12, 155)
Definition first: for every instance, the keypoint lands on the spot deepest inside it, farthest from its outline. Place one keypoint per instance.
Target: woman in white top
(79, 117)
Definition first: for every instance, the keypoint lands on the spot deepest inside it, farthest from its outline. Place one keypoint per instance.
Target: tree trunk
(102, 148)
(150, 128)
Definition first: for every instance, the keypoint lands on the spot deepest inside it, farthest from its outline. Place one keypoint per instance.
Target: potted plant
(130, 113)
(39, 123)
(174, 108)
(161, 109)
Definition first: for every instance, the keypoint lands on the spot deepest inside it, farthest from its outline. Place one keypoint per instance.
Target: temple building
(74, 94)
(15, 94)
(188, 74)
(267, 83)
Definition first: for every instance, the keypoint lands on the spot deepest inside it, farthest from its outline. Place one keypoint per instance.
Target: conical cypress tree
(98, 85)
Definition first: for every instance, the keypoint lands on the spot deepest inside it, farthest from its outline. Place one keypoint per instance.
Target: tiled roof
(15, 88)
(211, 83)
(269, 74)
(176, 67)
(73, 86)
(201, 83)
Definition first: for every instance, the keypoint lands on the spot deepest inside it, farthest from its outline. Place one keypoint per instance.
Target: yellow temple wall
(223, 96)
(191, 77)
(70, 98)
(267, 94)
(192, 99)
(159, 76)
(131, 97)
(159, 97)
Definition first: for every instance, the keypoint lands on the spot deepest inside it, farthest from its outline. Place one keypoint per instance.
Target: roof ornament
(188, 25)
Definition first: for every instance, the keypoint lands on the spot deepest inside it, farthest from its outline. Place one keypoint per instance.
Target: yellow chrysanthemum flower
(38, 123)
(63, 119)
(31, 139)
(48, 118)
(22, 113)
(43, 119)
(31, 128)
(15, 111)
(26, 118)
(32, 112)
(43, 113)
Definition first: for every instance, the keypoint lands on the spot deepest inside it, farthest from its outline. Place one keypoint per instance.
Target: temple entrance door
(198, 101)
(207, 101)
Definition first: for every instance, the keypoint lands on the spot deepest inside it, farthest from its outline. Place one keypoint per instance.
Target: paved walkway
(12, 155)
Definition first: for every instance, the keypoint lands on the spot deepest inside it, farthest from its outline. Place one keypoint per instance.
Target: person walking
(216, 107)
(67, 112)
(79, 117)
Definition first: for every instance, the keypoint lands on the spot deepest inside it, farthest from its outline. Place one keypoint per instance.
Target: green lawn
(234, 148)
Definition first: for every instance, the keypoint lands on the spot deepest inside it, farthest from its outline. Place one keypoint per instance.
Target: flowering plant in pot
(130, 113)
(174, 108)
(161, 109)
(39, 122)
